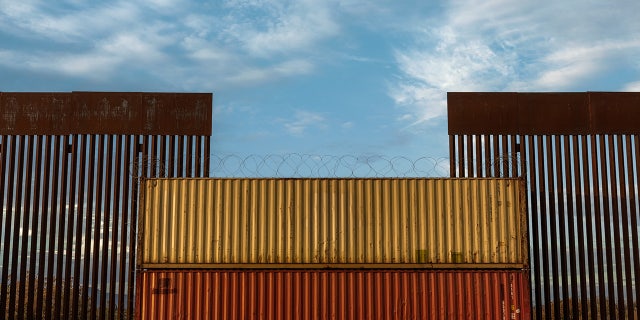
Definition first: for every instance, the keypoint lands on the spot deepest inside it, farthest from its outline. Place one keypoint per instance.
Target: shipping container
(332, 223)
(332, 294)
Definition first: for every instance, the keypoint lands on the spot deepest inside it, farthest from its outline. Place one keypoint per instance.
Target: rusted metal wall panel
(332, 294)
(69, 219)
(568, 113)
(421, 223)
(56, 113)
(582, 206)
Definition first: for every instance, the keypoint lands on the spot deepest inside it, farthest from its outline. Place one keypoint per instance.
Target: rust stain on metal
(578, 154)
(334, 294)
(473, 113)
(105, 113)
(69, 169)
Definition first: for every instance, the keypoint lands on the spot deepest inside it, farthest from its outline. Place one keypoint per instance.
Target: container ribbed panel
(332, 294)
(205, 223)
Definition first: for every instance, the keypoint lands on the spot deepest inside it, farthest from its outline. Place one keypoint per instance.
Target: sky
(321, 77)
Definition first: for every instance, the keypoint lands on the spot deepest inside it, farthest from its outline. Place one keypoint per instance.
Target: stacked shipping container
(254, 247)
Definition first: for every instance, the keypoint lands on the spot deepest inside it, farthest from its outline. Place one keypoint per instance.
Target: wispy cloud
(303, 120)
(251, 75)
(498, 45)
(265, 28)
(241, 42)
(632, 87)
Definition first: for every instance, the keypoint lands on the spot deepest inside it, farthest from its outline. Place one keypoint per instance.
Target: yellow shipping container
(332, 223)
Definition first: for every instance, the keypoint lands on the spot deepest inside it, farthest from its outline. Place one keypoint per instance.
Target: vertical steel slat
(478, 156)
(117, 173)
(199, 158)
(469, 156)
(9, 152)
(122, 257)
(452, 156)
(523, 149)
(105, 225)
(543, 219)
(180, 156)
(595, 142)
(552, 216)
(62, 215)
(495, 161)
(171, 170)
(571, 267)
(96, 285)
(486, 159)
(71, 216)
(88, 304)
(623, 148)
(136, 158)
(189, 157)
(26, 227)
(461, 158)
(81, 212)
(145, 168)
(163, 156)
(505, 156)
(634, 169)
(534, 218)
(614, 147)
(617, 168)
(589, 164)
(513, 159)
(579, 213)
(36, 223)
(606, 212)
(51, 281)
(4, 214)
(14, 276)
(44, 211)
(153, 158)
(560, 213)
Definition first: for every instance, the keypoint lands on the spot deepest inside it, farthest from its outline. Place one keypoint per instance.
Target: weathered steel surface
(471, 113)
(334, 294)
(69, 214)
(582, 200)
(320, 222)
(28, 113)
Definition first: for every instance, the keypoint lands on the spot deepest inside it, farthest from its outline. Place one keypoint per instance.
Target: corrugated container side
(419, 223)
(332, 294)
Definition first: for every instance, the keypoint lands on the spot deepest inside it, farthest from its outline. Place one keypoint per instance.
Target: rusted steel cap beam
(565, 113)
(144, 113)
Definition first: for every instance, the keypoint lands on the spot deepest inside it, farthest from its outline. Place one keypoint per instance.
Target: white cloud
(499, 45)
(101, 61)
(302, 121)
(455, 64)
(265, 28)
(253, 74)
(77, 23)
(632, 87)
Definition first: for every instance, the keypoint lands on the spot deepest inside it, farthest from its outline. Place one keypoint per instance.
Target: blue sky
(327, 77)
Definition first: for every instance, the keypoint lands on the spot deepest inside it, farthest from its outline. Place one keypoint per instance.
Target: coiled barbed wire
(505, 165)
(298, 165)
(330, 166)
(146, 166)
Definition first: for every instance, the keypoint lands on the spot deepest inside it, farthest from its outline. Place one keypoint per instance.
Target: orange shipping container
(332, 294)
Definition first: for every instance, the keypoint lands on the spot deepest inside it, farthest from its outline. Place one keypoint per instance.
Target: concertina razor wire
(298, 165)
